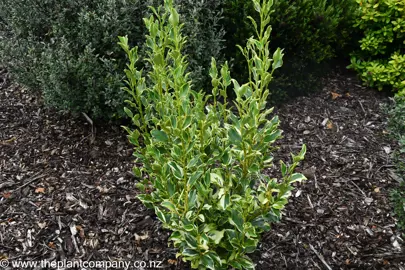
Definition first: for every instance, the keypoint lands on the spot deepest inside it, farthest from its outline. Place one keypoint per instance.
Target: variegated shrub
(202, 155)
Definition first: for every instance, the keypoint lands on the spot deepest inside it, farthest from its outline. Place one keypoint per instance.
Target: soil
(67, 191)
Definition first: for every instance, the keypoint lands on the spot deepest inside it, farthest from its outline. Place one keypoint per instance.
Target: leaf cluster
(381, 61)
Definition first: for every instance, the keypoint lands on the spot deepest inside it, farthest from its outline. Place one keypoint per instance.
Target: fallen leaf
(325, 121)
(335, 95)
(102, 189)
(347, 261)
(329, 125)
(109, 143)
(40, 190)
(6, 195)
(73, 229)
(139, 238)
(41, 224)
(81, 231)
(348, 94)
(368, 201)
(172, 262)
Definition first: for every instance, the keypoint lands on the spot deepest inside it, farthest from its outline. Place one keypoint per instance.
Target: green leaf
(213, 69)
(303, 151)
(261, 223)
(128, 112)
(174, 17)
(192, 198)
(159, 135)
(176, 170)
(278, 205)
(216, 236)
(226, 158)
(175, 236)
(189, 227)
(257, 6)
(272, 137)
(224, 201)
(236, 219)
(191, 241)
(161, 216)
(196, 175)
(277, 58)
(250, 245)
(216, 179)
(193, 162)
(201, 217)
(158, 59)
(169, 205)
(207, 262)
(297, 177)
(184, 90)
(246, 263)
(283, 168)
(236, 87)
(137, 172)
(140, 186)
(234, 136)
(190, 252)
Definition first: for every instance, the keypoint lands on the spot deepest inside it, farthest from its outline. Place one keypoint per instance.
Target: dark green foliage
(67, 49)
(205, 36)
(396, 125)
(310, 31)
(396, 120)
(398, 199)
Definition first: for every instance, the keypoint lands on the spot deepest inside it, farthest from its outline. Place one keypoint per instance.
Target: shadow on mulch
(67, 192)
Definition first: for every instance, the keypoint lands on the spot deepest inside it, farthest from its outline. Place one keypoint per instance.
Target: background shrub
(311, 32)
(381, 61)
(67, 49)
(396, 125)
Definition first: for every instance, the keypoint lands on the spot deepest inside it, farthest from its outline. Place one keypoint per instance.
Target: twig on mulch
(386, 255)
(33, 179)
(361, 104)
(320, 257)
(362, 192)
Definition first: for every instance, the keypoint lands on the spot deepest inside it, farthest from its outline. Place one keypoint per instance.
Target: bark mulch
(67, 192)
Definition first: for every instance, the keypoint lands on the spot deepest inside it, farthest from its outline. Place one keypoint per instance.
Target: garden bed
(67, 192)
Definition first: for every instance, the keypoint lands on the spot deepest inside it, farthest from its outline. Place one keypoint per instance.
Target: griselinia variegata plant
(203, 156)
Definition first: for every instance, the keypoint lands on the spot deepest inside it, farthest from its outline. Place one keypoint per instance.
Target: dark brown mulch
(66, 191)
